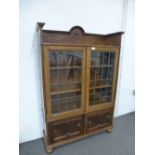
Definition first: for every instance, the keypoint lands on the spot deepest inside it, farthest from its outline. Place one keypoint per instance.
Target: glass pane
(65, 76)
(65, 59)
(100, 96)
(101, 76)
(99, 58)
(65, 102)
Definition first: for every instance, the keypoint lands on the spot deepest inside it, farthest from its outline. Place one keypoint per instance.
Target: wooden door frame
(116, 50)
(75, 112)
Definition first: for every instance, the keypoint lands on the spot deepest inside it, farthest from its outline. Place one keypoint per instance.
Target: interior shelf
(100, 96)
(62, 99)
(100, 66)
(65, 88)
(65, 82)
(65, 106)
(65, 102)
(64, 91)
(99, 84)
(63, 75)
(65, 67)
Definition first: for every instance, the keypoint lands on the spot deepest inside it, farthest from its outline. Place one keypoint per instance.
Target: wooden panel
(97, 120)
(58, 38)
(50, 147)
(65, 129)
(77, 36)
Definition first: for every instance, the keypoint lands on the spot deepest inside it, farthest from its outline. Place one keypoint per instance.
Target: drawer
(65, 129)
(98, 120)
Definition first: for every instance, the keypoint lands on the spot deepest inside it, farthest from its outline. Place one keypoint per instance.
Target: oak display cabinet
(79, 75)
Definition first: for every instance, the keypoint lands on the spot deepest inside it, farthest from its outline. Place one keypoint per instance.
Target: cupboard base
(48, 148)
(51, 147)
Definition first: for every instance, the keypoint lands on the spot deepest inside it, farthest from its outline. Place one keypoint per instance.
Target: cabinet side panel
(43, 84)
(42, 78)
(116, 81)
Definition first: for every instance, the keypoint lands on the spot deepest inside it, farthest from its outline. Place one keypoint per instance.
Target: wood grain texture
(65, 129)
(77, 36)
(65, 38)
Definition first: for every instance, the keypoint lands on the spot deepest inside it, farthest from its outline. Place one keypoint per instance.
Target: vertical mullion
(58, 79)
(108, 67)
(74, 67)
(105, 94)
(107, 75)
(74, 102)
(95, 75)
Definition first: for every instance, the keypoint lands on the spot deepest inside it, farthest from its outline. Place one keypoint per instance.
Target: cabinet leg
(49, 149)
(109, 130)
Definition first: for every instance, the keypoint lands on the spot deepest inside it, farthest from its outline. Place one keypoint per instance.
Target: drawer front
(65, 129)
(98, 120)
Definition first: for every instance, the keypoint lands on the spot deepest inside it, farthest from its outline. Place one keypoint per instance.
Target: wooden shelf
(65, 87)
(99, 99)
(65, 82)
(104, 86)
(65, 91)
(65, 67)
(65, 106)
(72, 98)
(99, 84)
(100, 66)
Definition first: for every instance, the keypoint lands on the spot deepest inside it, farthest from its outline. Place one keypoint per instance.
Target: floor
(120, 142)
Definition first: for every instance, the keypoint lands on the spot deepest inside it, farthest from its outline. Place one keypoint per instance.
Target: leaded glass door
(100, 84)
(65, 75)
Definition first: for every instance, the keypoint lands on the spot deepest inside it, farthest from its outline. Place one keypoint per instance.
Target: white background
(96, 16)
(145, 83)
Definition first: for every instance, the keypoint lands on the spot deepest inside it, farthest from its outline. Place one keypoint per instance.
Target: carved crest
(77, 31)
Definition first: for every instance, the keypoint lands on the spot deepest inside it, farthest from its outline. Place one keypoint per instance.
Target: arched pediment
(77, 31)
